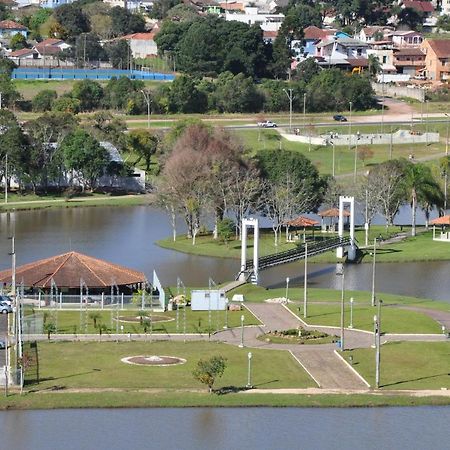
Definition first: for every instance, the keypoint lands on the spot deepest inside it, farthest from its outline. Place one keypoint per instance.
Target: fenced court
(59, 73)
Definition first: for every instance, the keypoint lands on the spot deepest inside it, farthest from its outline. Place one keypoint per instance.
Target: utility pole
(378, 346)
(13, 266)
(373, 270)
(334, 160)
(342, 311)
(290, 97)
(6, 178)
(304, 112)
(305, 288)
(350, 127)
(148, 100)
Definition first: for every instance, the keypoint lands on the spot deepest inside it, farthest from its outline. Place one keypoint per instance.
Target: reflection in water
(127, 235)
(226, 428)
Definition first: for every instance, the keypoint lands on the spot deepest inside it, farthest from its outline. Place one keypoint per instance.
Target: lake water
(227, 428)
(127, 235)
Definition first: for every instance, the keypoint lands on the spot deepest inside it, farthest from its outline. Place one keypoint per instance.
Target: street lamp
(290, 97)
(287, 288)
(241, 345)
(13, 266)
(375, 329)
(446, 140)
(6, 178)
(334, 160)
(342, 311)
(378, 346)
(350, 126)
(249, 372)
(148, 100)
(304, 112)
(373, 271)
(226, 314)
(305, 288)
(351, 312)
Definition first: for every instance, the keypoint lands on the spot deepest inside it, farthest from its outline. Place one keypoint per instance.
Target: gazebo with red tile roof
(68, 269)
(442, 222)
(332, 213)
(300, 222)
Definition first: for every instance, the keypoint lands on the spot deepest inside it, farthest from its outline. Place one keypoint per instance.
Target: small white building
(208, 300)
(251, 16)
(338, 49)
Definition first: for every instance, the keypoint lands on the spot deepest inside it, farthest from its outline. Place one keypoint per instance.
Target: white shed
(208, 300)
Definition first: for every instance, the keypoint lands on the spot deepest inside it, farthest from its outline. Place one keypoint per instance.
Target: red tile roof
(67, 269)
(51, 41)
(302, 221)
(11, 25)
(409, 52)
(313, 32)
(233, 6)
(21, 52)
(426, 7)
(270, 34)
(440, 46)
(332, 212)
(47, 49)
(139, 36)
(444, 220)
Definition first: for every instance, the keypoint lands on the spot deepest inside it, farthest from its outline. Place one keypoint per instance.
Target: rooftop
(426, 7)
(11, 25)
(440, 46)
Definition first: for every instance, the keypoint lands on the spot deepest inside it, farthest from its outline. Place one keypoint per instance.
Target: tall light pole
(290, 97)
(6, 178)
(373, 270)
(356, 157)
(148, 100)
(351, 312)
(287, 288)
(241, 345)
(342, 311)
(426, 123)
(13, 266)
(226, 314)
(350, 127)
(304, 112)
(378, 346)
(446, 171)
(334, 160)
(446, 140)
(382, 103)
(249, 371)
(305, 287)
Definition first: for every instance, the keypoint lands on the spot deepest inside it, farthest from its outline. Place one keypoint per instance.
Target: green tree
(72, 20)
(125, 22)
(208, 370)
(89, 93)
(443, 22)
(18, 42)
(306, 70)
(38, 18)
(184, 96)
(225, 229)
(67, 104)
(49, 328)
(161, 7)
(420, 188)
(236, 93)
(87, 48)
(411, 18)
(118, 53)
(85, 156)
(43, 101)
(144, 144)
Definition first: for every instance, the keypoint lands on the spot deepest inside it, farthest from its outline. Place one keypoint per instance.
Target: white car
(267, 124)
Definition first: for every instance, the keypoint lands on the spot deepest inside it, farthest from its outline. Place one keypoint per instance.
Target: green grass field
(406, 365)
(73, 322)
(99, 365)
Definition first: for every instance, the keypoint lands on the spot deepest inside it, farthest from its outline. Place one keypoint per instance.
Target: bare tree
(368, 196)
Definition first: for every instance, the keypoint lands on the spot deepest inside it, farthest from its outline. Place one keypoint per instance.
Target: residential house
(373, 34)
(251, 16)
(385, 55)
(23, 54)
(437, 59)
(409, 61)
(54, 3)
(50, 49)
(113, 3)
(405, 38)
(336, 48)
(424, 8)
(270, 36)
(9, 28)
(312, 36)
(142, 45)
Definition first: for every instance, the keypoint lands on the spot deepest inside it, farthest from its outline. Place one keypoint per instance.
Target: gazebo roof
(302, 221)
(333, 212)
(443, 220)
(68, 269)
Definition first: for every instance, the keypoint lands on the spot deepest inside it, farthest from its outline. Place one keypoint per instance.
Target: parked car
(267, 124)
(340, 118)
(5, 308)
(5, 299)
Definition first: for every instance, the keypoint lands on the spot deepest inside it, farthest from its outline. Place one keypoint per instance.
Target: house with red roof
(437, 59)
(142, 45)
(8, 28)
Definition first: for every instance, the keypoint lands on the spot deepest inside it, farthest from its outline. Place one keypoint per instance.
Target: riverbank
(30, 202)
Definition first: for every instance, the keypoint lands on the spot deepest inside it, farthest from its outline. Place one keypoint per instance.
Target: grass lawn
(394, 320)
(407, 365)
(98, 365)
(196, 321)
(322, 157)
(205, 245)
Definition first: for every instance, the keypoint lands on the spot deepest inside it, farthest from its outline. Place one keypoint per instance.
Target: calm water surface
(127, 235)
(225, 428)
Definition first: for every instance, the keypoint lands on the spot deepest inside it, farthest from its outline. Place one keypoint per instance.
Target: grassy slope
(407, 365)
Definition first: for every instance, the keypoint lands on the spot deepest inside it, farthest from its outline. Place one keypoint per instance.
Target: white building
(251, 16)
(335, 49)
(142, 45)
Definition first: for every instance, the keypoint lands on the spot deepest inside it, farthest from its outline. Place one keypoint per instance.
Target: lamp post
(342, 311)
(378, 346)
(334, 160)
(351, 312)
(148, 100)
(226, 315)
(373, 271)
(249, 371)
(446, 139)
(446, 171)
(241, 345)
(287, 288)
(305, 287)
(13, 266)
(304, 112)
(290, 97)
(375, 329)
(6, 178)
(350, 126)
(356, 156)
